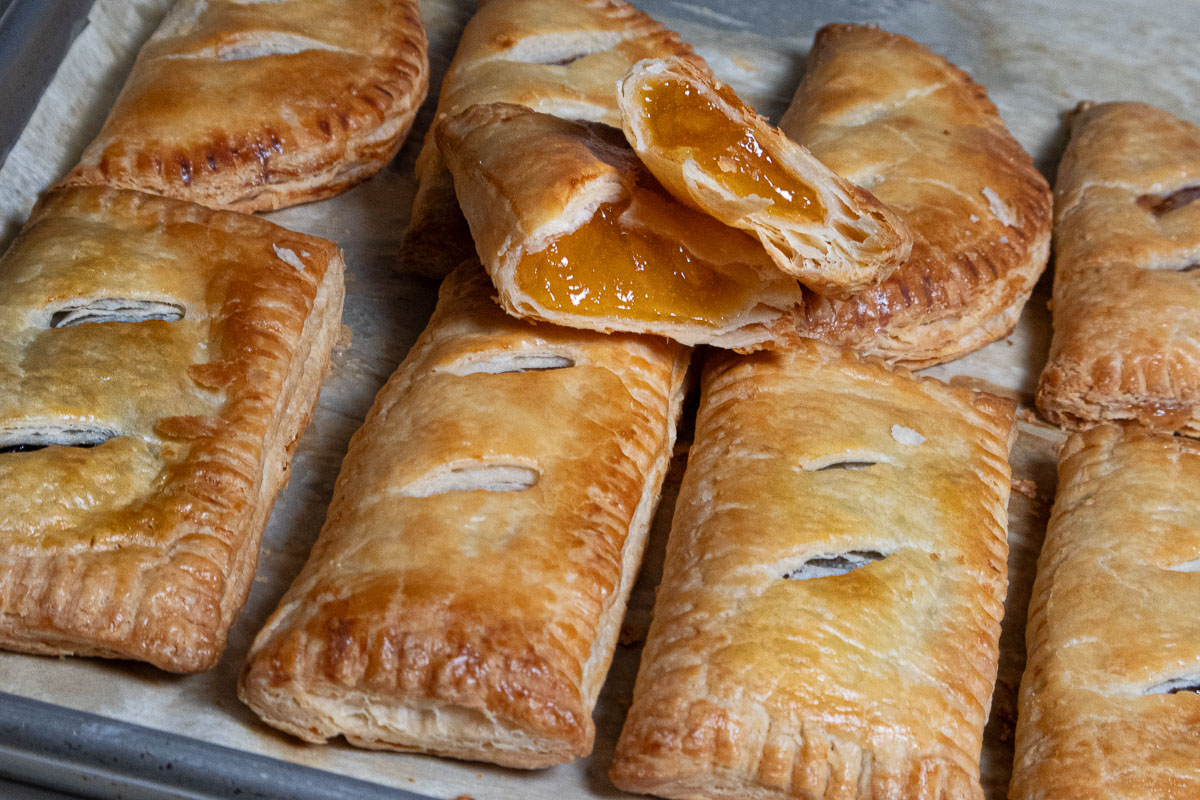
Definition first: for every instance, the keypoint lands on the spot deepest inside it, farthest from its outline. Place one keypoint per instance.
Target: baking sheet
(1037, 58)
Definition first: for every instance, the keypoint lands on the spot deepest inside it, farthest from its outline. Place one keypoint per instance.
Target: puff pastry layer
(582, 235)
(465, 599)
(560, 57)
(1127, 272)
(159, 361)
(888, 114)
(715, 154)
(829, 615)
(259, 105)
(1109, 705)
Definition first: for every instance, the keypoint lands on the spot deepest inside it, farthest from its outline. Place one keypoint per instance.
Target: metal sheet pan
(111, 727)
(34, 38)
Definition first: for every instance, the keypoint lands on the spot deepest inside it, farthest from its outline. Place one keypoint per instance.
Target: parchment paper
(1037, 59)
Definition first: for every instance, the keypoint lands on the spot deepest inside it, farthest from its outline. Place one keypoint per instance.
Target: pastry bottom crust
(438, 238)
(990, 317)
(1073, 403)
(243, 189)
(381, 723)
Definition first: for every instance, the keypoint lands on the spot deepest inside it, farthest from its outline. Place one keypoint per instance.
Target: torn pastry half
(1110, 699)
(1126, 342)
(256, 106)
(575, 231)
(159, 362)
(560, 57)
(829, 614)
(715, 154)
(465, 600)
(891, 116)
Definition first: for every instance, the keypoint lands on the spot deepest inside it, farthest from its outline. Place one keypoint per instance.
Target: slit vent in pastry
(828, 565)
(1109, 703)
(714, 153)
(259, 46)
(1162, 204)
(848, 465)
(1190, 683)
(825, 633)
(844, 460)
(470, 477)
(507, 361)
(114, 309)
(139, 462)
(559, 57)
(35, 436)
(891, 116)
(433, 616)
(583, 236)
(257, 106)
(1126, 342)
(1190, 565)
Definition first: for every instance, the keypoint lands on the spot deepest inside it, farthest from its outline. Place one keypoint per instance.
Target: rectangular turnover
(829, 615)
(465, 594)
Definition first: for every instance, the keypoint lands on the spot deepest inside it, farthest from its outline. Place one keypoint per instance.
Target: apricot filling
(679, 117)
(626, 262)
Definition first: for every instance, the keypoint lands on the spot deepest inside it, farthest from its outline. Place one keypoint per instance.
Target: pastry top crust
(842, 241)
(1109, 704)
(144, 343)
(1127, 272)
(472, 574)
(901, 121)
(253, 106)
(763, 676)
(551, 52)
(518, 206)
(560, 57)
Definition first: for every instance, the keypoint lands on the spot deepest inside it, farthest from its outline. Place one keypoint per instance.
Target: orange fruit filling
(678, 117)
(627, 261)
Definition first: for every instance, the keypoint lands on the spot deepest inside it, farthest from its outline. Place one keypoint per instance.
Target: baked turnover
(1109, 705)
(1127, 272)
(465, 599)
(715, 154)
(259, 105)
(886, 113)
(159, 362)
(560, 57)
(829, 614)
(582, 235)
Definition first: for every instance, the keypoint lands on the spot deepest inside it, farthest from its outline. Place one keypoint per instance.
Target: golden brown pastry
(886, 113)
(560, 57)
(715, 154)
(582, 235)
(260, 105)
(1109, 705)
(465, 595)
(829, 614)
(159, 362)
(1127, 272)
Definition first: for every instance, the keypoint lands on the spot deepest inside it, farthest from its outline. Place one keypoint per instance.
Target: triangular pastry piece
(256, 106)
(560, 57)
(901, 121)
(575, 231)
(1126, 272)
(714, 153)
